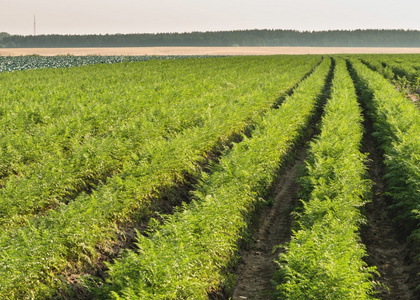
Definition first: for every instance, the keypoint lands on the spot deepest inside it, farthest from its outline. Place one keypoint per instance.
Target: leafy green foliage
(324, 258)
(189, 254)
(86, 151)
(401, 70)
(396, 123)
(100, 143)
(90, 123)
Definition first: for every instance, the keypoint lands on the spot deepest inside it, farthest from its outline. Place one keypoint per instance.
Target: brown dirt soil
(415, 98)
(257, 265)
(201, 51)
(386, 248)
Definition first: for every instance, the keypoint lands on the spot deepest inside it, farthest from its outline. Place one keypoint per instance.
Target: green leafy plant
(114, 139)
(324, 259)
(189, 254)
(396, 123)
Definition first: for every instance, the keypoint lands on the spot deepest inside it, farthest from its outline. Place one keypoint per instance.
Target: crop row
(188, 255)
(397, 129)
(403, 66)
(375, 64)
(324, 259)
(233, 91)
(403, 71)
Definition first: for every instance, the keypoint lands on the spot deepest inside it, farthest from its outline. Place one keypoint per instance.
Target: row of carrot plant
(402, 66)
(324, 259)
(189, 254)
(38, 252)
(377, 65)
(396, 124)
(402, 71)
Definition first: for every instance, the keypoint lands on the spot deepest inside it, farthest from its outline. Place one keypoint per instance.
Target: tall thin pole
(34, 25)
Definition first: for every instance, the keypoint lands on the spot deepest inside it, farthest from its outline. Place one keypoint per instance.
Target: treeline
(331, 38)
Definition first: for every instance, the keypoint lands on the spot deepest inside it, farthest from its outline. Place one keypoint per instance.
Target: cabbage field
(16, 63)
(146, 177)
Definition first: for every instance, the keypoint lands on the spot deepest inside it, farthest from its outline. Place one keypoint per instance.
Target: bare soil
(415, 98)
(201, 51)
(257, 265)
(387, 249)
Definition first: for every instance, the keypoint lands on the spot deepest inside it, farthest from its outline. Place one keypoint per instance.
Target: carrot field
(155, 177)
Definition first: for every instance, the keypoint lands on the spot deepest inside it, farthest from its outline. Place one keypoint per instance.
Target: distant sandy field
(201, 51)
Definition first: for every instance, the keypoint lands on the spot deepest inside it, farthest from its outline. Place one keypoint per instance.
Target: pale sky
(154, 16)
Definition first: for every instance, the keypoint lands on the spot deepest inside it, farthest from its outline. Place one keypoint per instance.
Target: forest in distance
(244, 38)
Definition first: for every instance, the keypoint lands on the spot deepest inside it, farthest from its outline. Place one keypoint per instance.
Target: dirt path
(257, 265)
(387, 249)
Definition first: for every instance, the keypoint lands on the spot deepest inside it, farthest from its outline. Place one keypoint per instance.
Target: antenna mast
(34, 25)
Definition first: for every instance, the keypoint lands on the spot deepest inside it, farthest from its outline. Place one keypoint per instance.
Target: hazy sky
(152, 16)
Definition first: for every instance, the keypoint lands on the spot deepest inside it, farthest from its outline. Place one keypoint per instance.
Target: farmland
(150, 177)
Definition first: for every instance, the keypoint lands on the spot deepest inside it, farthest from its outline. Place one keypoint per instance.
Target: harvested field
(203, 51)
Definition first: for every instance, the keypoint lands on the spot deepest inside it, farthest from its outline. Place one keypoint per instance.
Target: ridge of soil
(387, 249)
(256, 266)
